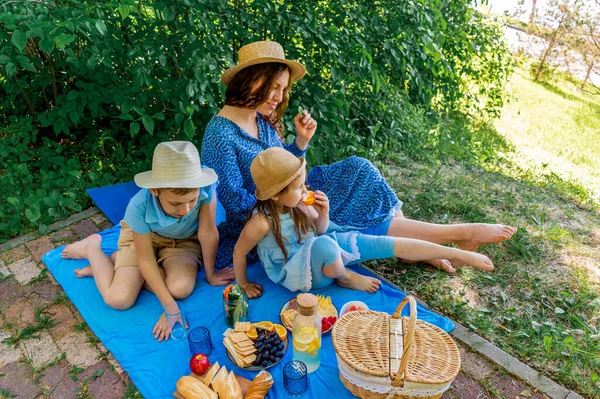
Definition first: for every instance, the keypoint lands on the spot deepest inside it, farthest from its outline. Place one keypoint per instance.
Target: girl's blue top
(359, 196)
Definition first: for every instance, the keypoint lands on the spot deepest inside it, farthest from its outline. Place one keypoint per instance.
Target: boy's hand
(161, 329)
(221, 277)
(321, 203)
(253, 290)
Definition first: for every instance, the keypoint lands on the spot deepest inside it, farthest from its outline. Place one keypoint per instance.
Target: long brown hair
(270, 209)
(239, 93)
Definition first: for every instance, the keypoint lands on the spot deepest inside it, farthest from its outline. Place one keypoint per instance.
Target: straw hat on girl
(176, 164)
(261, 53)
(273, 170)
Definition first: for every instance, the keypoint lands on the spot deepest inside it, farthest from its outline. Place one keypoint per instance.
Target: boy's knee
(180, 288)
(119, 301)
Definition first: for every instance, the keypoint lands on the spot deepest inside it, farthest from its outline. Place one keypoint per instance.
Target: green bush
(90, 87)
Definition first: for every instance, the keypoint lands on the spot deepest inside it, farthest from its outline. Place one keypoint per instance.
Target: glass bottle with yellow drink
(306, 332)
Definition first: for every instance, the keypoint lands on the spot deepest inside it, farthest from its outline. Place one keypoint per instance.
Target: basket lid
(433, 357)
(361, 339)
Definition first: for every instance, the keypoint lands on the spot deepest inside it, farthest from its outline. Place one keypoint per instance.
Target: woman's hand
(321, 203)
(253, 290)
(305, 129)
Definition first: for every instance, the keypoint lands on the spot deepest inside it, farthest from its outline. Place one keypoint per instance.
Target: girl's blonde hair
(270, 209)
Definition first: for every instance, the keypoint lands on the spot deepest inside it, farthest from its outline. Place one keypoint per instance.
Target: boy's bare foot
(79, 249)
(359, 282)
(85, 272)
(474, 259)
(483, 233)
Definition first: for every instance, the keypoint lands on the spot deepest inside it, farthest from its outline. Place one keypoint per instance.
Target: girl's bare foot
(474, 259)
(85, 272)
(79, 249)
(483, 233)
(359, 282)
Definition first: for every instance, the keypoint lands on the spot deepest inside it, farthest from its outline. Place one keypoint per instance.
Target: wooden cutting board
(244, 384)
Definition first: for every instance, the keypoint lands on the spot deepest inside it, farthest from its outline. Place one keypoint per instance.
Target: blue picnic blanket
(154, 367)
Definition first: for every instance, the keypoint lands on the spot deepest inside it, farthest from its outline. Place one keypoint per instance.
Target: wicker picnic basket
(394, 357)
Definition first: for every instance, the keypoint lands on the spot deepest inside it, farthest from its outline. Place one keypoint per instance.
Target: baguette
(260, 386)
(211, 374)
(232, 389)
(219, 382)
(191, 388)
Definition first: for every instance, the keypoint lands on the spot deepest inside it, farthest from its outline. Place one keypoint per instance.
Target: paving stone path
(48, 351)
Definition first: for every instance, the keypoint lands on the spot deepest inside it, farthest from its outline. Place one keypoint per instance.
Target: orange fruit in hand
(265, 325)
(281, 331)
(310, 198)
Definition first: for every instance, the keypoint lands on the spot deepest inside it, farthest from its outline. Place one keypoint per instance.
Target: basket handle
(409, 337)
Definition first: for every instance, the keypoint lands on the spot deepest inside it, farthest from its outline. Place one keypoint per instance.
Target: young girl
(301, 249)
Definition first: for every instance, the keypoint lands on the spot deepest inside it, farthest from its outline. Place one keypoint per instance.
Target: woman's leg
(468, 236)
(326, 265)
(119, 288)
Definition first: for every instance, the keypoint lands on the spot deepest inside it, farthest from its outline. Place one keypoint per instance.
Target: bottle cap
(307, 304)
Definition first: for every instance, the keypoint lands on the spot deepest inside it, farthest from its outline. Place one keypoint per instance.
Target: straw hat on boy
(273, 170)
(176, 164)
(261, 53)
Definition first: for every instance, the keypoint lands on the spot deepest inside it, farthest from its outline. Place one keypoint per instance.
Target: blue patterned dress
(359, 196)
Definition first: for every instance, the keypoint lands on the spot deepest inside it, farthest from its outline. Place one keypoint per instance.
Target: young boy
(170, 222)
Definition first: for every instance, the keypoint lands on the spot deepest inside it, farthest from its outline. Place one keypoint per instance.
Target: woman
(360, 198)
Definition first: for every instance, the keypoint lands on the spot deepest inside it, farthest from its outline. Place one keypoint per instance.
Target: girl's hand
(305, 126)
(321, 203)
(253, 290)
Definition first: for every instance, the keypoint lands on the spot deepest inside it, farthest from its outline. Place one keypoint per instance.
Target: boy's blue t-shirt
(144, 215)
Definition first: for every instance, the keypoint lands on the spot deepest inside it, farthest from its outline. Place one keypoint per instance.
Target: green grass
(557, 126)
(541, 303)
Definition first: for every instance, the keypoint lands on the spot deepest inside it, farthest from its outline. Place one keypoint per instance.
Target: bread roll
(191, 388)
(219, 382)
(232, 389)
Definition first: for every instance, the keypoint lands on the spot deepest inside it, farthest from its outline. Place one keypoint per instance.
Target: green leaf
(4, 59)
(138, 110)
(13, 200)
(101, 26)
(10, 69)
(126, 117)
(25, 64)
(134, 129)
(189, 128)
(32, 214)
(168, 13)
(74, 115)
(63, 39)
(19, 39)
(47, 45)
(148, 123)
(123, 10)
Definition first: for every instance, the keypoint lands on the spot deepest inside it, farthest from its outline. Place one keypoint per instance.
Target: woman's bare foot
(359, 282)
(79, 250)
(441, 264)
(85, 272)
(483, 233)
(474, 259)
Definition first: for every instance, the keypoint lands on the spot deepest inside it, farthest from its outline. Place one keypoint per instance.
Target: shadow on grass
(568, 96)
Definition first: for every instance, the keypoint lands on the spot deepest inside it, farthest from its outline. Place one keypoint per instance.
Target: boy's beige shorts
(164, 247)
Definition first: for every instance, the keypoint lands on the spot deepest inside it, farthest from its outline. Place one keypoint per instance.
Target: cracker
(244, 344)
(242, 326)
(239, 337)
(246, 352)
(227, 332)
(249, 359)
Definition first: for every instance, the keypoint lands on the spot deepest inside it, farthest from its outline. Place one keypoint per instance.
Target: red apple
(199, 363)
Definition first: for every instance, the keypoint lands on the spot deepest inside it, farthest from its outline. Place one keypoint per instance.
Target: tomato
(199, 363)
